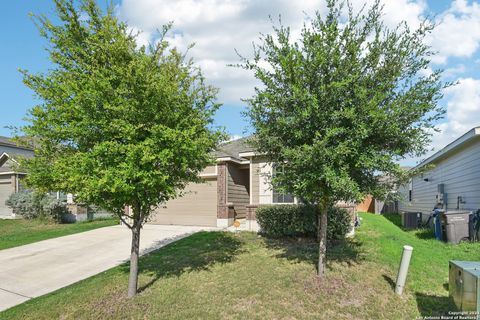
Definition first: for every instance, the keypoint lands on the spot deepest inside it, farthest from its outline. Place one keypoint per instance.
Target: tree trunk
(134, 253)
(322, 239)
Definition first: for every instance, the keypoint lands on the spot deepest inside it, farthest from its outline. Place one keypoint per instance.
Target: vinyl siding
(459, 172)
(238, 188)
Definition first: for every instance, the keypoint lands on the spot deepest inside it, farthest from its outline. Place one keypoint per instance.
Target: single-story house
(10, 180)
(452, 183)
(233, 188)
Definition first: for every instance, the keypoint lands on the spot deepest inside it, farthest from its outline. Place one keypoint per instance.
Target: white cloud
(454, 71)
(395, 12)
(235, 137)
(463, 114)
(218, 27)
(458, 31)
(463, 107)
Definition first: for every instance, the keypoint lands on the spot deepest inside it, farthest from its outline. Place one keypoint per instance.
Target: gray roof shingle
(234, 148)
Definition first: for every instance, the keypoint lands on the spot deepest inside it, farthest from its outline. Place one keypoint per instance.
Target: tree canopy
(342, 104)
(117, 124)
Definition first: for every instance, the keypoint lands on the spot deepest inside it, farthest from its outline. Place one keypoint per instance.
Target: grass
(18, 232)
(217, 275)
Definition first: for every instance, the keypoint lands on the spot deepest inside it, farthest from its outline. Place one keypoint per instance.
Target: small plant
(36, 205)
(301, 220)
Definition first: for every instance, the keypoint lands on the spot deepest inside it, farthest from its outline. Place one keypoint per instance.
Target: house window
(279, 197)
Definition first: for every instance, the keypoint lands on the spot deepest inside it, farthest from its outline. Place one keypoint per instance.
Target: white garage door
(5, 192)
(198, 207)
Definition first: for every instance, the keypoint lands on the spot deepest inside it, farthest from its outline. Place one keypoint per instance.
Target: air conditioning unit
(411, 220)
(464, 286)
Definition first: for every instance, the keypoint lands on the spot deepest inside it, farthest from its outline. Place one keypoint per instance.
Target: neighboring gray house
(452, 183)
(9, 178)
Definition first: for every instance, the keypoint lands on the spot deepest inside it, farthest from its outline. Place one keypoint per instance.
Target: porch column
(225, 211)
(252, 224)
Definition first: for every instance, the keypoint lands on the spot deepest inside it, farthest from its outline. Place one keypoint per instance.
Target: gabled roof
(233, 148)
(4, 157)
(451, 147)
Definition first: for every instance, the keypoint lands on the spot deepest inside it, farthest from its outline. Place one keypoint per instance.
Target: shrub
(339, 223)
(35, 205)
(301, 220)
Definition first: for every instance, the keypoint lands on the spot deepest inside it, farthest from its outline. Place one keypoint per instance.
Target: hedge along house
(232, 189)
(10, 179)
(452, 183)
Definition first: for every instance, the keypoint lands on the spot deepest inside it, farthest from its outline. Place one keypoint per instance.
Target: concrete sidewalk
(36, 269)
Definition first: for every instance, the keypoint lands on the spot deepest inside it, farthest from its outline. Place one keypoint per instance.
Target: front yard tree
(117, 125)
(342, 104)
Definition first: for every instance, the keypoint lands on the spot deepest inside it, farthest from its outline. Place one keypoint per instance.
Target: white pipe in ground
(402, 272)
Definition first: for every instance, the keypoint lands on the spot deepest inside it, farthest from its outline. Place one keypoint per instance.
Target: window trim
(279, 193)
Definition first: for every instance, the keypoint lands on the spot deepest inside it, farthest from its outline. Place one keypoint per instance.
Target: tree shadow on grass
(197, 252)
(390, 281)
(429, 305)
(432, 305)
(306, 250)
(423, 233)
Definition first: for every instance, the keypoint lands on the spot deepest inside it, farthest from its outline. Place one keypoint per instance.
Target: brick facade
(252, 212)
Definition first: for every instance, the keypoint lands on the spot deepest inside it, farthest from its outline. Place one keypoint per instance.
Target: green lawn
(18, 232)
(217, 275)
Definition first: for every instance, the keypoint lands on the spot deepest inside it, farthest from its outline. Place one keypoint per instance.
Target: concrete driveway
(36, 269)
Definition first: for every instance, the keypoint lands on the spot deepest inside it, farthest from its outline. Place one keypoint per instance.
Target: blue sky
(218, 27)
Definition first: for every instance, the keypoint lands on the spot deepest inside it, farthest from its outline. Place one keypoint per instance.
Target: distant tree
(342, 105)
(117, 125)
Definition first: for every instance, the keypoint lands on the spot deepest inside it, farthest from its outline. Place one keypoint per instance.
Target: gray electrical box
(441, 196)
(464, 286)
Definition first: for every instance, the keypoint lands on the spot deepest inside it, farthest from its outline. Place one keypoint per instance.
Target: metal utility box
(464, 285)
(411, 220)
(455, 225)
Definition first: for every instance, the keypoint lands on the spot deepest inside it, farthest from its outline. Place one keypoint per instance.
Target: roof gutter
(11, 145)
(475, 132)
(231, 159)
